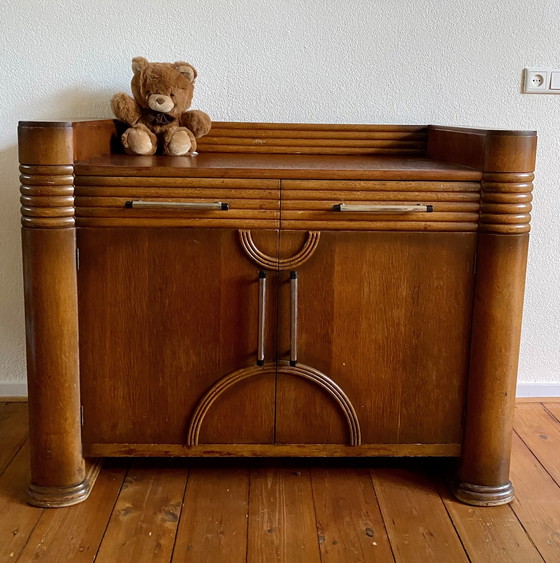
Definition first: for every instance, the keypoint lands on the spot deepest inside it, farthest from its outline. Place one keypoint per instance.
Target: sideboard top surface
(287, 150)
(228, 165)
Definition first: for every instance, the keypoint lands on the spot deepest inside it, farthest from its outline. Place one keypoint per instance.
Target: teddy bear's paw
(139, 141)
(179, 143)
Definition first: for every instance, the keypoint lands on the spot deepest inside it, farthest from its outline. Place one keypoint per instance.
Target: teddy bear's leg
(138, 139)
(178, 141)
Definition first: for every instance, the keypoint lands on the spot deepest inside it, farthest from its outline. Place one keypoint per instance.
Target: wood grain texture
(553, 407)
(312, 203)
(170, 311)
(362, 330)
(417, 522)
(47, 197)
(94, 138)
(508, 152)
(464, 226)
(17, 518)
(257, 201)
(483, 149)
(343, 506)
(45, 143)
(349, 521)
(280, 166)
(144, 521)
(537, 500)
(273, 450)
(500, 283)
(214, 518)
(490, 534)
(281, 527)
(13, 431)
(382, 187)
(275, 261)
(541, 433)
(279, 369)
(167, 298)
(506, 203)
(49, 265)
(75, 533)
(449, 144)
(312, 139)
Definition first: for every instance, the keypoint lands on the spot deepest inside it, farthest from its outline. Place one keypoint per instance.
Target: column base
(57, 497)
(482, 495)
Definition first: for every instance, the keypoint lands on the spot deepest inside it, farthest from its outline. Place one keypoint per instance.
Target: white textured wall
(393, 61)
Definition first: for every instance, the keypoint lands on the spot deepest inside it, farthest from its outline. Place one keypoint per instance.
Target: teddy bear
(157, 115)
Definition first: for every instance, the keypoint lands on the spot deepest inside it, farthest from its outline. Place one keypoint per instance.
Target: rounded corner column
(58, 470)
(483, 477)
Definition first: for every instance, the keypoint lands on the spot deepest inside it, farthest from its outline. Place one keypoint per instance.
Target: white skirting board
(528, 390)
(13, 389)
(524, 390)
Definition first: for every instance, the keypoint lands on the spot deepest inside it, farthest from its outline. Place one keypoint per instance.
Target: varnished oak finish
(262, 510)
(193, 326)
(146, 332)
(366, 320)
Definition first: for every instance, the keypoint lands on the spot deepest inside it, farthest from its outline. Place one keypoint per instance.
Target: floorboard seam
(526, 532)
(249, 473)
(441, 483)
(550, 413)
(183, 504)
(372, 479)
(112, 510)
(536, 457)
(16, 452)
(309, 469)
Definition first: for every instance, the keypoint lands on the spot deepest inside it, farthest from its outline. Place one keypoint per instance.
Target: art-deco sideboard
(292, 290)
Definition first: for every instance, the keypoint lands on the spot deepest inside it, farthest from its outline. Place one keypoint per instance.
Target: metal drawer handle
(139, 204)
(262, 318)
(383, 208)
(294, 317)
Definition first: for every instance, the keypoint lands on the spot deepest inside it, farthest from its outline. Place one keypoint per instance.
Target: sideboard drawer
(380, 205)
(178, 202)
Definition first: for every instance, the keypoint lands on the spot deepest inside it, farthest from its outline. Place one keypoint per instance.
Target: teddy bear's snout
(159, 102)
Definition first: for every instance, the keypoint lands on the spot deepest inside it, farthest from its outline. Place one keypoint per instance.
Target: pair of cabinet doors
(169, 314)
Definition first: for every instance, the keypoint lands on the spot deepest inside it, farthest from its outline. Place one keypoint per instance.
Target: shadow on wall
(81, 102)
(12, 335)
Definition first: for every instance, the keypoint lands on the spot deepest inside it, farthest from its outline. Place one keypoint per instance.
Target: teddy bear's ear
(186, 69)
(138, 64)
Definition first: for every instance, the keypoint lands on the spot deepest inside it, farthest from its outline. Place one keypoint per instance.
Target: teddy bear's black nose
(160, 100)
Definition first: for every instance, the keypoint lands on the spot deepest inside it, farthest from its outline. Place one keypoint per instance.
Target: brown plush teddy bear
(158, 116)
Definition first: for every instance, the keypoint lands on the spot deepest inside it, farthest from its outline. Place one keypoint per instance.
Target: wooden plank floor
(291, 511)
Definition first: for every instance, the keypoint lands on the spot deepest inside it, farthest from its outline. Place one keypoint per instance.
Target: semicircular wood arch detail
(313, 375)
(272, 263)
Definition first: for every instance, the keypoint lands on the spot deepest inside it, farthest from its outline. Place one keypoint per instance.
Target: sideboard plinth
(57, 497)
(481, 495)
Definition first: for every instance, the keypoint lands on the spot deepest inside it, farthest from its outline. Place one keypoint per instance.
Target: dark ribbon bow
(159, 118)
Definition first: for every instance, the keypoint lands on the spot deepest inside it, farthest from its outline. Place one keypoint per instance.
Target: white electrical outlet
(541, 81)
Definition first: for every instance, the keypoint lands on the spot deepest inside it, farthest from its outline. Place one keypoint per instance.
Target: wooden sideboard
(292, 290)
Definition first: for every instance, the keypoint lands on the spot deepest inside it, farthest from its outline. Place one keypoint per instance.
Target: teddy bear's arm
(125, 108)
(196, 121)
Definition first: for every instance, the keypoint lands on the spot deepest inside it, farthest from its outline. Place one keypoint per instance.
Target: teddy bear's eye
(172, 95)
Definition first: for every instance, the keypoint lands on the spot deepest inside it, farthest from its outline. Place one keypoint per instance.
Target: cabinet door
(386, 316)
(164, 314)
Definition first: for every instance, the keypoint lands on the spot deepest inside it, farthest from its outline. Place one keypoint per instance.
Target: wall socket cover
(539, 81)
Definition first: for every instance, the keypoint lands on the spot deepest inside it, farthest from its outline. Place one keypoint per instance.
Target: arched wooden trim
(271, 263)
(283, 367)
